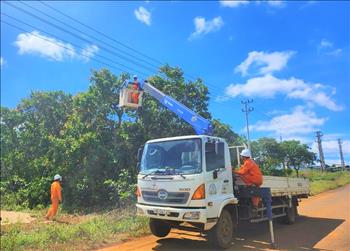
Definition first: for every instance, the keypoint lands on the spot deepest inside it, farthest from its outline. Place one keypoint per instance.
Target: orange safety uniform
(251, 175)
(56, 198)
(135, 95)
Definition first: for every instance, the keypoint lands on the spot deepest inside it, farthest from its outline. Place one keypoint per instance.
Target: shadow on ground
(303, 235)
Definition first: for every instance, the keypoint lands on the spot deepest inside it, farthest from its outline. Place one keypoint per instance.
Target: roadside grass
(324, 181)
(86, 232)
(65, 234)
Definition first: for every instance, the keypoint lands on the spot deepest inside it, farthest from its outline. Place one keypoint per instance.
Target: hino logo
(162, 194)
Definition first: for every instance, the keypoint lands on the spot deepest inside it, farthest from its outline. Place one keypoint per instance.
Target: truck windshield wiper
(173, 169)
(151, 173)
(183, 176)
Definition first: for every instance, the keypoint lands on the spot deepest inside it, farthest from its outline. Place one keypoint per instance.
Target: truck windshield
(172, 157)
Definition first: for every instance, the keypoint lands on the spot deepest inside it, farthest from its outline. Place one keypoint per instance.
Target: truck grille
(173, 197)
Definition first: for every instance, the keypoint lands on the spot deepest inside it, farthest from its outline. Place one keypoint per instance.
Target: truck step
(265, 218)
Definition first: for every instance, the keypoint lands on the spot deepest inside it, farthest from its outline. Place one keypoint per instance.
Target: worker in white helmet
(250, 173)
(56, 196)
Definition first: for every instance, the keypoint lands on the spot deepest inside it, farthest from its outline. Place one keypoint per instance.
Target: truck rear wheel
(221, 234)
(291, 214)
(159, 228)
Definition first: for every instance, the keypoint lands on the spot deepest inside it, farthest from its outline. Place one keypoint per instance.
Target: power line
(120, 43)
(100, 33)
(213, 90)
(93, 37)
(65, 47)
(212, 87)
(77, 36)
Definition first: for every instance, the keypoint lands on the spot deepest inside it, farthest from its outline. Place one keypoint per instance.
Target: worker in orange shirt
(56, 197)
(135, 87)
(250, 173)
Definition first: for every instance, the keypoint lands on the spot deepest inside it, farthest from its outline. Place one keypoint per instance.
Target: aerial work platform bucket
(130, 98)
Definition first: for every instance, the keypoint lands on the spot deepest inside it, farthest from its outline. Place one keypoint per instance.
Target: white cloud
(268, 86)
(233, 4)
(325, 44)
(276, 3)
(203, 26)
(48, 47)
(236, 3)
(2, 61)
(327, 47)
(88, 52)
(336, 52)
(37, 44)
(264, 61)
(143, 15)
(293, 125)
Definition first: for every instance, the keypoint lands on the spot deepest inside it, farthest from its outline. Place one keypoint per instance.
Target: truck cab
(185, 179)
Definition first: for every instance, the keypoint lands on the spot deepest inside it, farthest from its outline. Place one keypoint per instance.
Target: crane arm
(201, 125)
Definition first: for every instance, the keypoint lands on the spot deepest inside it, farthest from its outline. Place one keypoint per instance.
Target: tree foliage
(278, 158)
(297, 155)
(89, 140)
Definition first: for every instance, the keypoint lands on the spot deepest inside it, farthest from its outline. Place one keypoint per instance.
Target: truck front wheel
(159, 228)
(221, 234)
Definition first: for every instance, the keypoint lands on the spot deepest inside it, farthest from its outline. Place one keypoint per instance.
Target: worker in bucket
(56, 197)
(136, 87)
(250, 173)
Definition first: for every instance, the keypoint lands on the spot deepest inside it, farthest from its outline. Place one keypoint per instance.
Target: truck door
(218, 176)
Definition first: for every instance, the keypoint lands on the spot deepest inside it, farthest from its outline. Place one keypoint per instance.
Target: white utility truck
(187, 183)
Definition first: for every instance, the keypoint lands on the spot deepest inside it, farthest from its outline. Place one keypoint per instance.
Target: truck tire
(291, 214)
(159, 228)
(222, 233)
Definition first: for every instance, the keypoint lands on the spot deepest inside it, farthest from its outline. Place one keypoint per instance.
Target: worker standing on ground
(250, 173)
(56, 197)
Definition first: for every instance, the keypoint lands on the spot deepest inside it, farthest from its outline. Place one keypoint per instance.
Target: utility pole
(319, 134)
(247, 109)
(341, 154)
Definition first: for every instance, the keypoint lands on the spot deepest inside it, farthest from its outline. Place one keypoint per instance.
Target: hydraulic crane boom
(201, 125)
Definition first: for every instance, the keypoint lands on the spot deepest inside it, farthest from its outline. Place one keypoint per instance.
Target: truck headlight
(192, 215)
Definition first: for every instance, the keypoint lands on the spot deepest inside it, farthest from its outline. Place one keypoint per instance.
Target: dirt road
(10, 217)
(324, 224)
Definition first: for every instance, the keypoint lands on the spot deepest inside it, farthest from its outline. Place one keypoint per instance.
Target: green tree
(89, 140)
(268, 153)
(297, 155)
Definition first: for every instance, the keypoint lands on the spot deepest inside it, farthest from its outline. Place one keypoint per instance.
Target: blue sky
(292, 58)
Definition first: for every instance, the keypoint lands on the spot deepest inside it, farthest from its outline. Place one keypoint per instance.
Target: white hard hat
(57, 177)
(135, 76)
(246, 153)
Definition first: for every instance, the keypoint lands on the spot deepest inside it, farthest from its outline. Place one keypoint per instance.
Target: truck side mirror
(139, 153)
(215, 174)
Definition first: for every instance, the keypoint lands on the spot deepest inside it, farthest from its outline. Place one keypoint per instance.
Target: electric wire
(78, 36)
(217, 91)
(65, 47)
(120, 43)
(84, 33)
(101, 33)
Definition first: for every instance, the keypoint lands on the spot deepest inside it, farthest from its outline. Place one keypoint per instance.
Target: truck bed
(284, 186)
